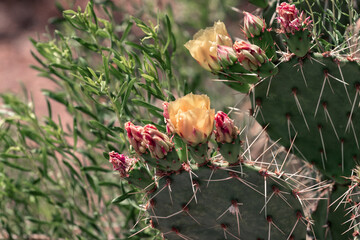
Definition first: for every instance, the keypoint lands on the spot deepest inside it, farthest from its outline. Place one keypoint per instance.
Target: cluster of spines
(189, 203)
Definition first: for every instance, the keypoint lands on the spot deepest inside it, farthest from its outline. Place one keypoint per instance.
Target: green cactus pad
(353, 206)
(237, 77)
(171, 162)
(308, 101)
(141, 178)
(299, 42)
(199, 152)
(266, 43)
(331, 221)
(231, 151)
(226, 205)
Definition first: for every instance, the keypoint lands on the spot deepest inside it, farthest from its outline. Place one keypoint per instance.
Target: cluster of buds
(121, 163)
(135, 137)
(148, 138)
(253, 25)
(250, 56)
(289, 19)
(157, 142)
(226, 55)
(226, 131)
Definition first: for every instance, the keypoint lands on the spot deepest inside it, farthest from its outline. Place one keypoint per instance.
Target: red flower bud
(225, 131)
(289, 19)
(121, 163)
(250, 56)
(169, 126)
(226, 55)
(157, 142)
(135, 136)
(253, 25)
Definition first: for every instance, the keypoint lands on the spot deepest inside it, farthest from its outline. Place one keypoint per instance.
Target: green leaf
(110, 184)
(127, 93)
(72, 170)
(57, 96)
(126, 32)
(169, 32)
(146, 105)
(95, 169)
(91, 46)
(87, 111)
(102, 33)
(123, 197)
(15, 166)
(57, 65)
(92, 182)
(75, 130)
(106, 68)
(97, 125)
(38, 221)
(36, 193)
(148, 77)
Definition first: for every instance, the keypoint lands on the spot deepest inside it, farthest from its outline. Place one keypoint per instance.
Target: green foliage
(55, 178)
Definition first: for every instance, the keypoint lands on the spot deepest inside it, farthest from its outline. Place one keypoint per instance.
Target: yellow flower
(191, 118)
(204, 45)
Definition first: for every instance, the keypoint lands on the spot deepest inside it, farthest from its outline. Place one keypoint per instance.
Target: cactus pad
(220, 203)
(312, 106)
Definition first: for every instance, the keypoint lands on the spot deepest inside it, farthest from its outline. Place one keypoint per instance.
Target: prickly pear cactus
(225, 201)
(301, 72)
(195, 196)
(312, 106)
(309, 101)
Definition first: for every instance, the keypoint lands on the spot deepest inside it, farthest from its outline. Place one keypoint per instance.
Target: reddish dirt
(20, 20)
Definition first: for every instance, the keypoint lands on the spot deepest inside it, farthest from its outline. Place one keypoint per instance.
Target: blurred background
(21, 20)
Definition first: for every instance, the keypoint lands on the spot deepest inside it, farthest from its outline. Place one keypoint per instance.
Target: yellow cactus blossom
(191, 118)
(203, 47)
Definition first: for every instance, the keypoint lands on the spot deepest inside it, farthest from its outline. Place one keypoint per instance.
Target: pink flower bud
(226, 131)
(289, 19)
(169, 126)
(166, 112)
(135, 136)
(226, 55)
(250, 56)
(121, 163)
(157, 142)
(253, 25)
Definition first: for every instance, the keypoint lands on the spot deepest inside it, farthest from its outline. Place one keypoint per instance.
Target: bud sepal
(226, 56)
(295, 27)
(125, 165)
(227, 137)
(199, 153)
(231, 151)
(141, 178)
(254, 59)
